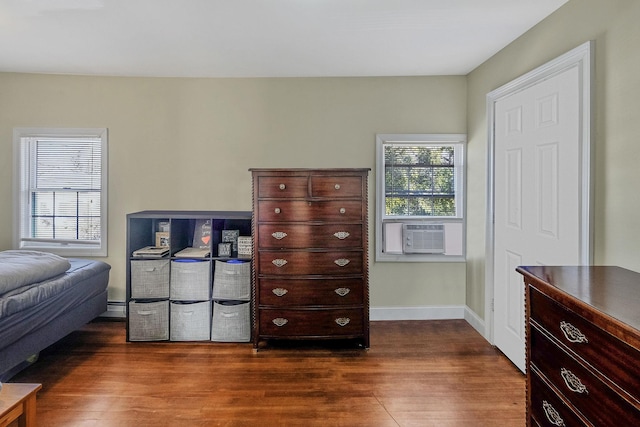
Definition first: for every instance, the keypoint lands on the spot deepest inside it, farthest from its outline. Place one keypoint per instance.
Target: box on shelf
(149, 321)
(232, 280)
(190, 279)
(231, 321)
(190, 321)
(150, 279)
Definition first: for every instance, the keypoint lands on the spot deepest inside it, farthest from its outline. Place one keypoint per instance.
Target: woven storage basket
(148, 321)
(231, 322)
(232, 280)
(190, 321)
(150, 279)
(190, 280)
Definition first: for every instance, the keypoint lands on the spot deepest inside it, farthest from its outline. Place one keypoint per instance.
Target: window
(61, 191)
(420, 197)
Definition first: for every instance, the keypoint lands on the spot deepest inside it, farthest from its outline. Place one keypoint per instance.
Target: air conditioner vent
(423, 238)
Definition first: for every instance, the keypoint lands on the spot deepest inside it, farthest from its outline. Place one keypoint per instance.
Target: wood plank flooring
(417, 373)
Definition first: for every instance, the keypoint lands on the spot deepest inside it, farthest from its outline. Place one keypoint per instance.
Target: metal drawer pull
(282, 186)
(342, 291)
(341, 234)
(279, 235)
(573, 382)
(277, 210)
(342, 262)
(280, 321)
(552, 415)
(342, 210)
(572, 333)
(343, 321)
(279, 262)
(337, 186)
(280, 292)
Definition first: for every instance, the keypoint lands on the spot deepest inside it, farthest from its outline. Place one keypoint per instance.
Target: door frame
(581, 57)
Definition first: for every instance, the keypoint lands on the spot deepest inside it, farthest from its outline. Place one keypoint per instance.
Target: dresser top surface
(614, 291)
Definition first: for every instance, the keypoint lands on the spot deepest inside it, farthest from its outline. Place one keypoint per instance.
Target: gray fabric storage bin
(231, 321)
(232, 280)
(149, 321)
(190, 321)
(150, 279)
(190, 280)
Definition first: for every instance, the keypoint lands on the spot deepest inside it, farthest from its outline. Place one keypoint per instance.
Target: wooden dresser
(310, 256)
(583, 346)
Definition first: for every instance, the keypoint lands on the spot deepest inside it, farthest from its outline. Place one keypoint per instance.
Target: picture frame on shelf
(162, 239)
(224, 249)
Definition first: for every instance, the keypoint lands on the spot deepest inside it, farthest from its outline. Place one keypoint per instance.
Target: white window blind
(419, 180)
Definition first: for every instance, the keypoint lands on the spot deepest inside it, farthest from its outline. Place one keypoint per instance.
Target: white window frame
(23, 177)
(457, 221)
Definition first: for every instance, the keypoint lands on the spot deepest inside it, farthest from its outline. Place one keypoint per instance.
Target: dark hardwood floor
(417, 373)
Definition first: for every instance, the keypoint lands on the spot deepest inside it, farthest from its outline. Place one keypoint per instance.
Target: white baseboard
(417, 313)
(429, 313)
(115, 309)
(475, 321)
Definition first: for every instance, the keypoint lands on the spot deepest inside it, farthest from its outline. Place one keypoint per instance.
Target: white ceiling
(260, 38)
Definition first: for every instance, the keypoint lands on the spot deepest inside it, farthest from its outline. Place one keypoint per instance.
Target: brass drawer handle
(552, 415)
(279, 235)
(572, 333)
(280, 292)
(341, 234)
(279, 262)
(282, 186)
(280, 321)
(341, 262)
(337, 186)
(343, 210)
(343, 321)
(277, 210)
(342, 291)
(572, 382)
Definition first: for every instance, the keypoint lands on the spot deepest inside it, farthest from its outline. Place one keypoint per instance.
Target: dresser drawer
(310, 323)
(283, 187)
(336, 187)
(597, 402)
(547, 408)
(615, 359)
(303, 211)
(310, 263)
(310, 292)
(302, 236)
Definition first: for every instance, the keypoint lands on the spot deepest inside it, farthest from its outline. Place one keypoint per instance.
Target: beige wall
(188, 144)
(203, 134)
(613, 24)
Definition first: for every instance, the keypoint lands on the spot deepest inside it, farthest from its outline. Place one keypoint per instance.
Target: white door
(537, 191)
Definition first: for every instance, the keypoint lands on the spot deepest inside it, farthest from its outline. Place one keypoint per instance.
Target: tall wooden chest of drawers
(583, 346)
(310, 238)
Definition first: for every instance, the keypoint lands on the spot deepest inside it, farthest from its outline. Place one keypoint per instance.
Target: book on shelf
(193, 253)
(151, 251)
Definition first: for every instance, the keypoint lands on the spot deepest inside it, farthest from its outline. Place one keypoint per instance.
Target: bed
(44, 297)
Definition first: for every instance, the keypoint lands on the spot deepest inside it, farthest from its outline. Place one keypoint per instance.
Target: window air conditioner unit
(423, 238)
